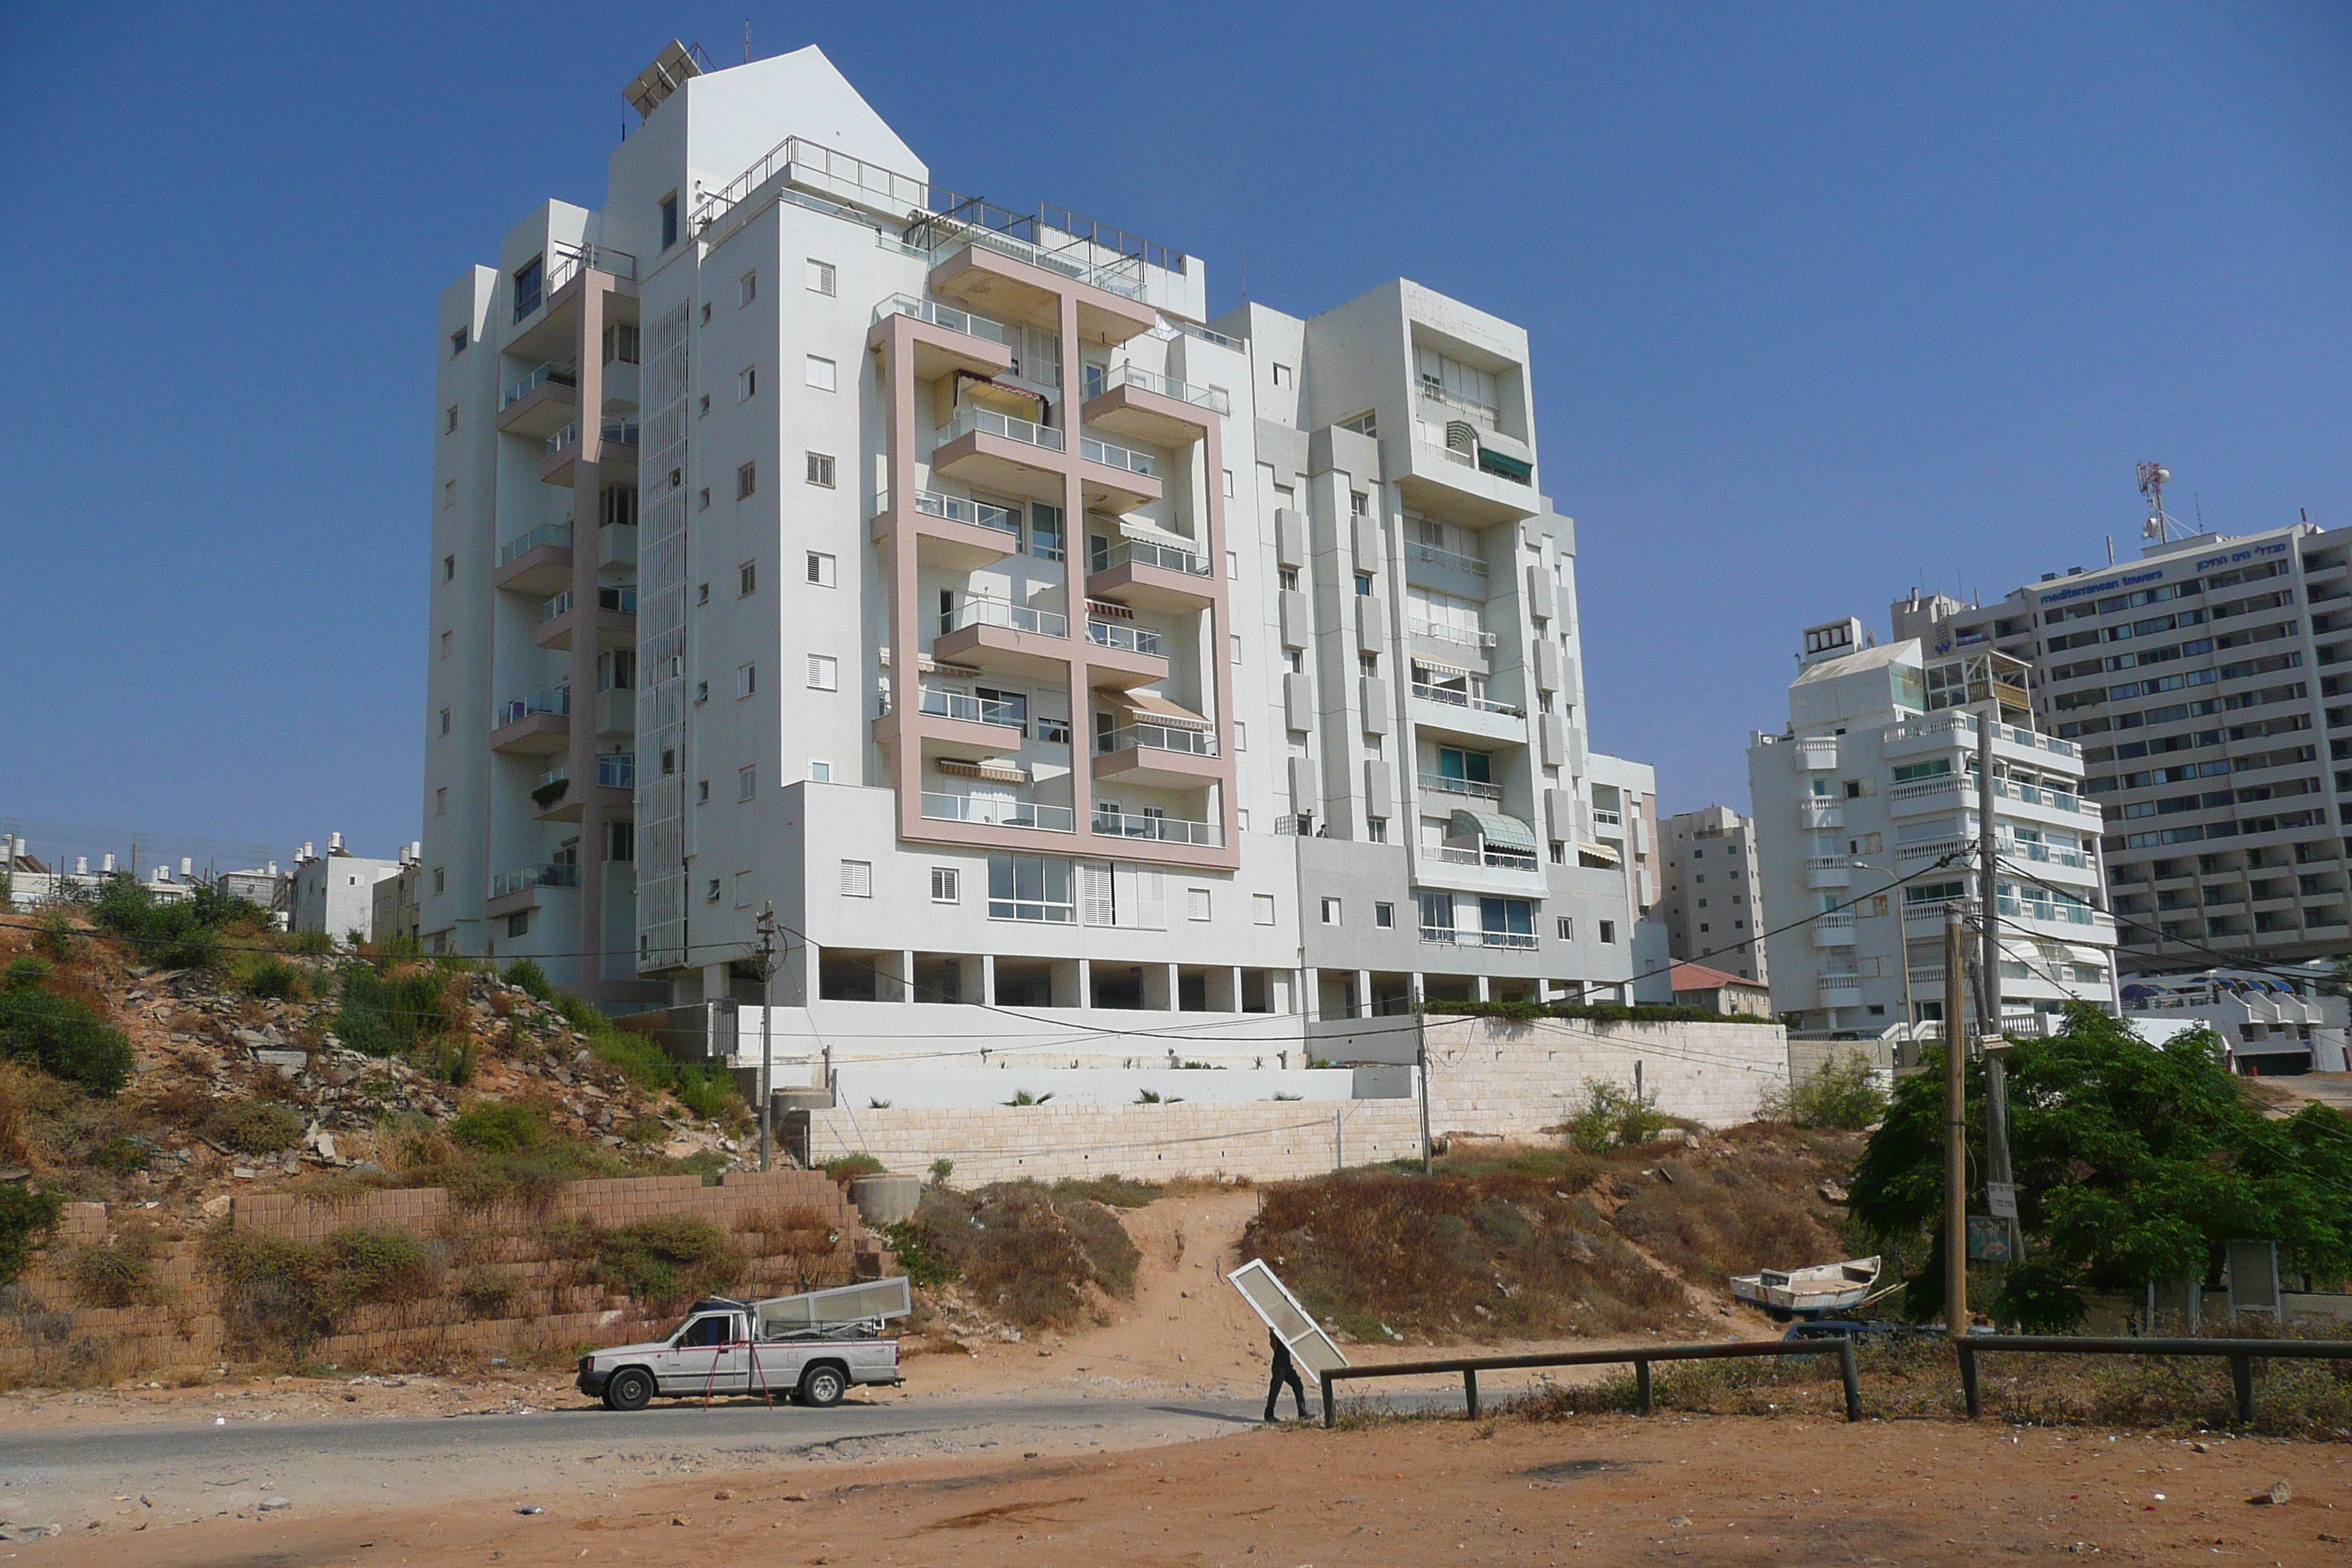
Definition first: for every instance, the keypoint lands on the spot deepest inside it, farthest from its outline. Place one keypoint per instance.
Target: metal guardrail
(2242, 1354)
(1641, 1361)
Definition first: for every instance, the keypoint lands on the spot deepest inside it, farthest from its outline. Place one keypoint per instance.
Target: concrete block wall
(1498, 1077)
(1264, 1142)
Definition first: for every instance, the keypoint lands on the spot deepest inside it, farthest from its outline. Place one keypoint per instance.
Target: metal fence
(1639, 1360)
(2242, 1354)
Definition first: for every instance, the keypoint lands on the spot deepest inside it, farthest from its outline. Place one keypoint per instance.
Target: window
(449, 568)
(449, 420)
(1241, 736)
(747, 680)
(1294, 660)
(701, 792)
(746, 384)
(747, 288)
(1196, 903)
(1363, 584)
(445, 721)
(1241, 818)
(669, 220)
(1238, 647)
(702, 692)
(1282, 375)
(820, 772)
(621, 342)
(742, 890)
(821, 569)
(530, 280)
(706, 312)
(1229, 482)
(1045, 532)
(620, 841)
(1384, 916)
(440, 881)
(747, 480)
(1609, 933)
(445, 644)
(441, 802)
(1559, 852)
(857, 878)
(448, 494)
(702, 406)
(669, 761)
(1376, 829)
(519, 924)
(1358, 503)
(1565, 928)
(945, 879)
(1286, 578)
(702, 500)
(702, 593)
(747, 579)
(821, 372)
(1262, 908)
(711, 892)
(1030, 887)
(820, 277)
(1331, 911)
(458, 340)
(747, 784)
(820, 469)
(823, 672)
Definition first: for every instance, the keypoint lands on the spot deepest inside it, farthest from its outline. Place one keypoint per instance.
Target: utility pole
(1956, 1124)
(767, 1031)
(1989, 964)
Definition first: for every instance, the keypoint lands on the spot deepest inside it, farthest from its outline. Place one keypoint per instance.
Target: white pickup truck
(810, 1348)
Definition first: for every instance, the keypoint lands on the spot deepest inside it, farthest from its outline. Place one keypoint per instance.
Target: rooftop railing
(946, 316)
(987, 421)
(1164, 829)
(999, 613)
(1102, 379)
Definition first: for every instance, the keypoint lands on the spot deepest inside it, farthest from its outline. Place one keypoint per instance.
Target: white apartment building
(1873, 782)
(2271, 1023)
(808, 536)
(1711, 908)
(2210, 685)
(334, 893)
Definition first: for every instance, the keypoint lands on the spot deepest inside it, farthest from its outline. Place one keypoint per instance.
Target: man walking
(1284, 1371)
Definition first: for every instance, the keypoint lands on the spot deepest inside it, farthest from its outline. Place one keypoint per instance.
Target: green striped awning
(1503, 463)
(1499, 832)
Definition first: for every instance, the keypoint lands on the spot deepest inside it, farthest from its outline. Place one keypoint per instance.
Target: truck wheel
(823, 1387)
(631, 1388)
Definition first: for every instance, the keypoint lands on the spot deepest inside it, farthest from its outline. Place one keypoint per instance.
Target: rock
(29, 1532)
(214, 1207)
(274, 1504)
(530, 1508)
(2279, 1492)
(1831, 1193)
(243, 1173)
(722, 1495)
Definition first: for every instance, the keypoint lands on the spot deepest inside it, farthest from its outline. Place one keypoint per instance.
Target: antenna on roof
(747, 40)
(2157, 530)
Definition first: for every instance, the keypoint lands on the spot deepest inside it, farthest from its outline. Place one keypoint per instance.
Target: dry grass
(1031, 1256)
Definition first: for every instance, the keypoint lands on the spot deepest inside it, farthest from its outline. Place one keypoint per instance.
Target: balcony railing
(560, 374)
(1452, 936)
(1602, 817)
(558, 605)
(994, 812)
(1478, 700)
(1468, 636)
(1436, 557)
(2046, 852)
(1476, 789)
(1144, 552)
(1437, 392)
(570, 259)
(946, 316)
(989, 422)
(1100, 380)
(1165, 829)
(1156, 738)
(1126, 639)
(956, 509)
(546, 874)
(1501, 859)
(618, 770)
(556, 699)
(2052, 910)
(2034, 795)
(622, 432)
(1122, 458)
(998, 613)
(973, 709)
(558, 534)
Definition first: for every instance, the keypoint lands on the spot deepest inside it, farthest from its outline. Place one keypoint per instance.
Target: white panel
(1309, 1346)
(1096, 907)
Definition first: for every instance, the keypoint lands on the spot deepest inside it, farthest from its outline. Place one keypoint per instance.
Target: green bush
(269, 979)
(118, 1271)
(849, 1167)
(522, 971)
(254, 1126)
(710, 1093)
(641, 1057)
(62, 1036)
(273, 1289)
(1844, 1094)
(665, 1261)
(183, 934)
(384, 1014)
(495, 1128)
(1614, 1117)
(487, 1292)
(27, 1220)
(378, 1263)
(922, 1266)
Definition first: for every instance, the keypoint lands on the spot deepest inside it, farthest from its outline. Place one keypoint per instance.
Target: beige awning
(1157, 709)
(1002, 395)
(1450, 671)
(1603, 853)
(996, 769)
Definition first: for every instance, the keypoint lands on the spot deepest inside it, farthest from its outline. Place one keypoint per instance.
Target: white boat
(1803, 1292)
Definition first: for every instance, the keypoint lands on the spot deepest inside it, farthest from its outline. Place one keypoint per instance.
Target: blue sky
(1825, 300)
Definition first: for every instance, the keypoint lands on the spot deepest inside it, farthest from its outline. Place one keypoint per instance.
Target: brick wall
(1264, 1141)
(1495, 1078)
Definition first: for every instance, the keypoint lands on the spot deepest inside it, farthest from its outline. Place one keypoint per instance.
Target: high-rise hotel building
(805, 535)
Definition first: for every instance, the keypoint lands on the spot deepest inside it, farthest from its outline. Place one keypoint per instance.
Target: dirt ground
(1716, 1490)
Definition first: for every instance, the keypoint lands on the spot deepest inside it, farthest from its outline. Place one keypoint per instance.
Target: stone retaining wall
(1499, 1079)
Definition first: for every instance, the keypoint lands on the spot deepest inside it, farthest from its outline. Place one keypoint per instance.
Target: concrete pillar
(1363, 993)
(1085, 997)
(988, 979)
(906, 975)
(1310, 988)
(1160, 987)
(1222, 988)
(1483, 995)
(714, 979)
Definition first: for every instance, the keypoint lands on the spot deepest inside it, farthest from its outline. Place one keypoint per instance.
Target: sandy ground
(1717, 1490)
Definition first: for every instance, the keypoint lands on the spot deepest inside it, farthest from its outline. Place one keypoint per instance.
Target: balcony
(992, 812)
(952, 531)
(1018, 280)
(944, 340)
(1815, 810)
(1817, 755)
(999, 452)
(513, 892)
(1162, 829)
(1470, 789)
(1146, 575)
(1834, 930)
(1460, 636)
(1121, 656)
(1158, 756)
(1446, 559)
(994, 635)
(617, 446)
(543, 402)
(539, 562)
(1131, 401)
(1828, 871)
(1115, 477)
(1452, 936)
(1460, 709)
(539, 724)
(1499, 859)
(611, 622)
(1455, 487)
(966, 708)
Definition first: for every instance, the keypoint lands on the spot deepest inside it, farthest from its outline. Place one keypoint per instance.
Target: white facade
(2272, 1022)
(1711, 908)
(2210, 686)
(1021, 638)
(335, 892)
(1874, 782)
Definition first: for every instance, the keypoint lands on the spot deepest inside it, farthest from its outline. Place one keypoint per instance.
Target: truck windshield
(705, 1331)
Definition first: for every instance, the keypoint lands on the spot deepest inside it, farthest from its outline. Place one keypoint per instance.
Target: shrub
(1845, 1095)
(487, 1292)
(641, 1057)
(254, 1126)
(1614, 1117)
(270, 979)
(57, 940)
(849, 1167)
(529, 975)
(65, 1037)
(1116, 1191)
(183, 934)
(118, 1271)
(1029, 1254)
(273, 1294)
(27, 1220)
(661, 1262)
(378, 1263)
(383, 1013)
(941, 1171)
(923, 1267)
(710, 1093)
(493, 1128)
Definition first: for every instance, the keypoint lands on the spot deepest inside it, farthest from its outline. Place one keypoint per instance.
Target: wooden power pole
(1956, 1123)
